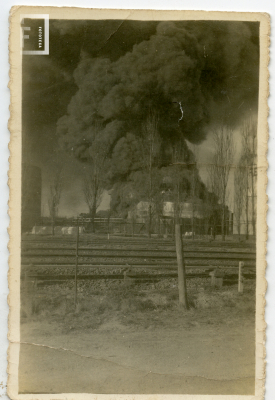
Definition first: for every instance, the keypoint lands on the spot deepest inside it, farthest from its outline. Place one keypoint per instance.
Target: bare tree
(178, 176)
(239, 194)
(158, 206)
(93, 180)
(54, 196)
(249, 139)
(151, 148)
(220, 167)
(93, 192)
(210, 212)
(194, 182)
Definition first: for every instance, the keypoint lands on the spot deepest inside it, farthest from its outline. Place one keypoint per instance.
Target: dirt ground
(133, 340)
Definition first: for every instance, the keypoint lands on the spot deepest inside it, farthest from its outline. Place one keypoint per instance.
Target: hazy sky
(222, 78)
(204, 153)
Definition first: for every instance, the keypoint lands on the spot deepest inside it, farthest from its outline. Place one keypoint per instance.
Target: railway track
(97, 252)
(141, 254)
(129, 240)
(140, 278)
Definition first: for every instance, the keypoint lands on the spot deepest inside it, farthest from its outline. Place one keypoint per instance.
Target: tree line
(155, 181)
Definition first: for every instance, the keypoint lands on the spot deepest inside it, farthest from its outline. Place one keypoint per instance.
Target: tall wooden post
(252, 201)
(149, 220)
(193, 200)
(240, 277)
(133, 227)
(76, 264)
(166, 229)
(183, 303)
(247, 203)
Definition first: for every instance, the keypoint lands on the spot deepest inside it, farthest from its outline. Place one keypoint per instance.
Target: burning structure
(132, 113)
(195, 217)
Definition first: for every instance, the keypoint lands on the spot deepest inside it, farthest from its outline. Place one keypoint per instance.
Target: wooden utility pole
(240, 277)
(108, 227)
(193, 200)
(151, 186)
(76, 264)
(133, 226)
(247, 204)
(183, 303)
(252, 185)
(252, 201)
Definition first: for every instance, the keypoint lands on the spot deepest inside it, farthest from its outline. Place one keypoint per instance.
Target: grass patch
(137, 308)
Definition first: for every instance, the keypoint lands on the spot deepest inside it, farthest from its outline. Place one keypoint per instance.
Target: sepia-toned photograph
(138, 185)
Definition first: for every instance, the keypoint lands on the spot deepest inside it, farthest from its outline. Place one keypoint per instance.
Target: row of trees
(244, 179)
(219, 168)
(179, 180)
(244, 174)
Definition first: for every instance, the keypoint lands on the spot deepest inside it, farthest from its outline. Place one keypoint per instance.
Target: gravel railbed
(101, 287)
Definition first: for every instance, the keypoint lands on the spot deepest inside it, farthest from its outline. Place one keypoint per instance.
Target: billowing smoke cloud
(191, 74)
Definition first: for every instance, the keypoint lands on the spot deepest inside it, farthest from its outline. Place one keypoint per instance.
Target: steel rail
(92, 249)
(120, 265)
(137, 241)
(121, 277)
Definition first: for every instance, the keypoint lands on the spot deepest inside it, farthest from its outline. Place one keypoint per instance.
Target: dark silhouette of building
(31, 197)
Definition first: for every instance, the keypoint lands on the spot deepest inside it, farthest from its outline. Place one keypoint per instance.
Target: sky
(48, 86)
(204, 153)
(219, 82)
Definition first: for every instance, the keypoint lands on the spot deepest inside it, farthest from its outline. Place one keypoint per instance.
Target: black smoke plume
(192, 74)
